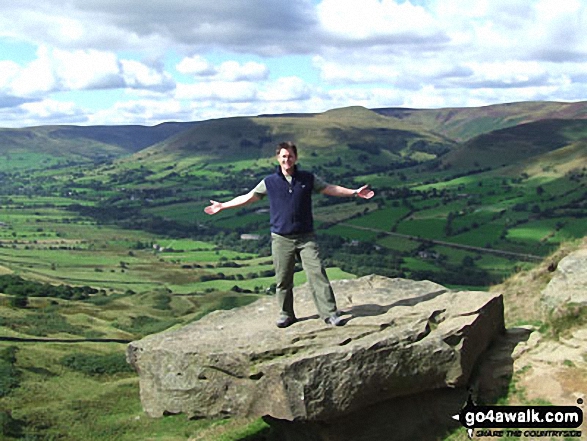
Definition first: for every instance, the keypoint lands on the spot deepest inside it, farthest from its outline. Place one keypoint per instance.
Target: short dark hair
(288, 145)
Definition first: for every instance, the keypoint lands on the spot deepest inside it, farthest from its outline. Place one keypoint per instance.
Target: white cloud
(540, 30)
(196, 65)
(375, 19)
(489, 44)
(137, 75)
(35, 78)
(335, 70)
(286, 89)
(8, 71)
(142, 111)
(226, 71)
(258, 26)
(559, 34)
(51, 112)
(218, 91)
(234, 71)
(507, 74)
(57, 70)
(79, 70)
(425, 98)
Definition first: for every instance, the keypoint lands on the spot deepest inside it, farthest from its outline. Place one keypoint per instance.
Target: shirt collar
(280, 173)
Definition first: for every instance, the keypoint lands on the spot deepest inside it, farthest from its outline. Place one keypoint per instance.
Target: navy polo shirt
(290, 201)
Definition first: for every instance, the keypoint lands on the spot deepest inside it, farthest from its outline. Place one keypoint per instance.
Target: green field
(97, 407)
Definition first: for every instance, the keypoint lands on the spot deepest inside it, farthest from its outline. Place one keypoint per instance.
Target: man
(292, 231)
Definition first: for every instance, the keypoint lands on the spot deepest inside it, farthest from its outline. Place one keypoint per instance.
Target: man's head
(287, 155)
(287, 145)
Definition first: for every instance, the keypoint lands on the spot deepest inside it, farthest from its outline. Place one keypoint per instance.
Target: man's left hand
(365, 192)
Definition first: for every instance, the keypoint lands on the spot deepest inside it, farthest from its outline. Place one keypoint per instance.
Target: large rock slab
(568, 285)
(402, 338)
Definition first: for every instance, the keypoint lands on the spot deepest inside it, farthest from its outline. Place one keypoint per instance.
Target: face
(286, 159)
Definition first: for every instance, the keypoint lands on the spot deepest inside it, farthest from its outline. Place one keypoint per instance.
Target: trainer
(292, 231)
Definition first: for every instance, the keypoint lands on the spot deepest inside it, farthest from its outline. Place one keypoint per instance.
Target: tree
(468, 262)
(10, 427)
(19, 301)
(539, 190)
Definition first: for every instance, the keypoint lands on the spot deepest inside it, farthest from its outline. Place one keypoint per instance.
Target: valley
(464, 197)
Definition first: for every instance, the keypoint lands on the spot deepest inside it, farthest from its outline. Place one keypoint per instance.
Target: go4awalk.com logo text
(522, 421)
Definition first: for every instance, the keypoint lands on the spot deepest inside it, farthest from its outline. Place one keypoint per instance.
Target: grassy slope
(559, 382)
(462, 124)
(256, 137)
(41, 147)
(523, 143)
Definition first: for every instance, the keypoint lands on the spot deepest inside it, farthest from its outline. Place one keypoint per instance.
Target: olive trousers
(285, 250)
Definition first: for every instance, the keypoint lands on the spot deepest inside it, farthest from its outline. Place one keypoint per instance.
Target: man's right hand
(213, 208)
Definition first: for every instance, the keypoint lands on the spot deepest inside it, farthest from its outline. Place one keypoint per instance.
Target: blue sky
(90, 62)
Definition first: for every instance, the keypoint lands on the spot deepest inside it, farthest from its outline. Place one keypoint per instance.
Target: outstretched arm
(336, 190)
(238, 201)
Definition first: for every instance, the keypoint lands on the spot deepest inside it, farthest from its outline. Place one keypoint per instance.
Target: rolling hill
(422, 134)
(462, 124)
(38, 147)
(521, 143)
(353, 127)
